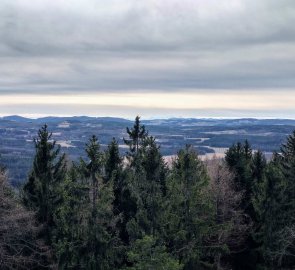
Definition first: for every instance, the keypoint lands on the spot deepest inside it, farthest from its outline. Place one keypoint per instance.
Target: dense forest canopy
(108, 211)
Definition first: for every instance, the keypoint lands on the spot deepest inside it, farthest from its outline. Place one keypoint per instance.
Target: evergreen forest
(136, 212)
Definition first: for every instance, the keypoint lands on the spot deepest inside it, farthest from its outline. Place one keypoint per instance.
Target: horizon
(143, 119)
(163, 59)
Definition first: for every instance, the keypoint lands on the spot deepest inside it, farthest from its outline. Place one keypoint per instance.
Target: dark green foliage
(286, 251)
(147, 254)
(149, 182)
(288, 169)
(238, 159)
(137, 135)
(258, 167)
(154, 164)
(268, 200)
(49, 169)
(100, 239)
(144, 184)
(275, 209)
(189, 212)
(123, 207)
(113, 162)
(259, 178)
(111, 212)
(249, 170)
(70, 216)
(92, 169)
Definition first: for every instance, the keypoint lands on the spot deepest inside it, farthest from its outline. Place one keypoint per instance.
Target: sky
(154, 58)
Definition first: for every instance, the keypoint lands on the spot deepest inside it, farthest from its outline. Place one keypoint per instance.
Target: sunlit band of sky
(155, 58)
(224, 103)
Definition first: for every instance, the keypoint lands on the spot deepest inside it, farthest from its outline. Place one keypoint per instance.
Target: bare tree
(286, 247)
(231, 224)
(20, 247)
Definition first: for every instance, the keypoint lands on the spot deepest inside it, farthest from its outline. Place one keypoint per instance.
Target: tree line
(136, 212)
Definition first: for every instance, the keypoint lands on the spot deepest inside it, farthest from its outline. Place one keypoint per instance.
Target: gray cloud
(92, 46)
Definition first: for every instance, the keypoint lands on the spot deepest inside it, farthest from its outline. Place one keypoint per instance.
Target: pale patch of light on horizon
(229, 100)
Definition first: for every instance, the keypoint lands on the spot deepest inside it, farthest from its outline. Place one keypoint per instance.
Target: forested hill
(107, 211)
(206, 135)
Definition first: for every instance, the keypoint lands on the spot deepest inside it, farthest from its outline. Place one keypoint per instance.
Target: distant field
(209, 136)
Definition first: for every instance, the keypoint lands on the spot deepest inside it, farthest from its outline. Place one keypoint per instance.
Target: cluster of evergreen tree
(268, 202)
(109, 211)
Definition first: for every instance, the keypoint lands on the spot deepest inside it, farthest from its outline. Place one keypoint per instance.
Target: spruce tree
(248, 170)
(258, 167)
(258, 170)
(154, 164)
(147, 254)
(287, 243)
(137, 135)
(238, 158)
(92, 168)
(113, 161)
(144, 184)
(188, 211)
(100, 239)
(268, 201)
(49, 169)
(114, 173)
(128, 195)
(149, 183)
(70, 218)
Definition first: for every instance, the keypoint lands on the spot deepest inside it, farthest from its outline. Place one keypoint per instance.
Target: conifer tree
(149, 191)
(147, 254)
(49, 169)
(287, 243)
(100, 238)
(258, 167)
(259, 170)
(105, 213)
(248, 170)
(70, 218)
(113, 161)
(268, 204)
(137, 135)
(144, 184)
(128, 196)
(189, 214)
(154, 164)
(114, 173)
(92, 168)
(238, 158)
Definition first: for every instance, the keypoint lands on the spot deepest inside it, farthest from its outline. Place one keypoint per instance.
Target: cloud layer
(150, 46)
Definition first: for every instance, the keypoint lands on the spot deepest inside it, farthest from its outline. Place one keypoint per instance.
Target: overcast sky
(156, 58)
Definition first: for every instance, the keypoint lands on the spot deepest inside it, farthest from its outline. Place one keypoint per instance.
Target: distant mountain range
(50, 119)
(199, 121)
